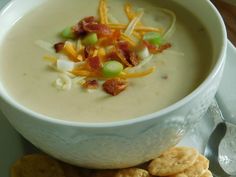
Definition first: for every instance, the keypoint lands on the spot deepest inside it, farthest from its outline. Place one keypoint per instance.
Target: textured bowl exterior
(114, 147)
(118, 145)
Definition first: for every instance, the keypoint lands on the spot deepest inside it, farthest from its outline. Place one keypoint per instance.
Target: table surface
(228, 11)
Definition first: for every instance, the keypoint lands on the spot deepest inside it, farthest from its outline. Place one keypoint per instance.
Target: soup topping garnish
(103, 50)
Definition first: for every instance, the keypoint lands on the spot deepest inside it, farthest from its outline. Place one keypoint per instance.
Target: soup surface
(28, 80)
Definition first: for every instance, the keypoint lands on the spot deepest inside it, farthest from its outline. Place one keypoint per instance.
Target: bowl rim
(217, 67)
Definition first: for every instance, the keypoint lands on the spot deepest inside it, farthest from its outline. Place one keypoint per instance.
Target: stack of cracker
(175, 162)
(180, 162)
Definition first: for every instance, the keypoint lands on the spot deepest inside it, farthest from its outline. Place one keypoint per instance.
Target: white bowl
(125, 143)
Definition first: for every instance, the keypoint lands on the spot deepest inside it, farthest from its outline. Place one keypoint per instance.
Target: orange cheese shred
(103, 12)
(126, 75)
(137, 28)
(70, 51)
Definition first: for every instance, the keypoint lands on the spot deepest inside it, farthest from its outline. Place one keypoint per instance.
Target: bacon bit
(79, 30)
(59, 46)
(89, 51)
(90, 84)
(115, 86)
(122, 56)
(111, 56)
(133, 59)
(128, 57)
(110, 41)
(152, 48)
(164, 47)
(89, 19)
(116, 35)
(101, 29)
(94, 63)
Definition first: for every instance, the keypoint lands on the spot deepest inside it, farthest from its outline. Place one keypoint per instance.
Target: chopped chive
(90, 39)
(68, 33)
(112, 68)
(153, 38)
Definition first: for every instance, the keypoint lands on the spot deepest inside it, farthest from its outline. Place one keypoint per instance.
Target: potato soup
(179, 69)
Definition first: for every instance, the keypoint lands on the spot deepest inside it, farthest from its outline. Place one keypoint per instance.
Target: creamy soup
(28, 80)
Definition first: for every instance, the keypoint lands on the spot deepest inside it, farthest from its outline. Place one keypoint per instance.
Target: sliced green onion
(153, 38)
(112, 68)
(90, 39)
(68, 33)
(143, 53)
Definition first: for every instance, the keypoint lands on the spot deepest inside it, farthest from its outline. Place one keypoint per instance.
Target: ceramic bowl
(125, 143)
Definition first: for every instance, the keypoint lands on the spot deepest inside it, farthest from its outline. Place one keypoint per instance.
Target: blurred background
(227, 9)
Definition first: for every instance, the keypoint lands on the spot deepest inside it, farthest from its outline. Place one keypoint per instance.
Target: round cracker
(37, 165)
(197, 169)
(207, 174)
(74, 171)
(104, 173)
(132, 172)
(173, 161)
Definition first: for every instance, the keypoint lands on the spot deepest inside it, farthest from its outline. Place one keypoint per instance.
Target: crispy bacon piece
(79, 30)
(110, 41)
(90, 84)
(94, 63)
(101, 29)
(133, 59)
(114, 86)
(89, 51)
(154, 49)
(90, 24)
(59, 46)
(89, 19)
(164, 47)
(127, 56)
(111, 56)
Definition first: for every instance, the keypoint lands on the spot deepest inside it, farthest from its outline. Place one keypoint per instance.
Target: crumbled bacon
(115, 86)
(90, 24)
(89, 51)
(89, 19)
(90, 84)
(124, 50)
(101, 29)
(59, 46)
(133, 59)
(106, 41)
(115, 35)
(94, 63)
(164, 47)
(79, 30)
(154, 49)
(111, 56)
